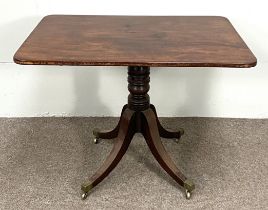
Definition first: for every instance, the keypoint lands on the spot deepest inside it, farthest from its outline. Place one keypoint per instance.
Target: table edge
(249, 64)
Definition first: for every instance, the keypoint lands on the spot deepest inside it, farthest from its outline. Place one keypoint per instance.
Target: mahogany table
(139, 42)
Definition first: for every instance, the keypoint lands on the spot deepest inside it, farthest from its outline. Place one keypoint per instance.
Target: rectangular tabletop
(182, 41)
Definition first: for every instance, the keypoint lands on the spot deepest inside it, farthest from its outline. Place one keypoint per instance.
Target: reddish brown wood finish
(128, 127)
(166, 133)
(137, 116)
(182, 41)
(138, 42)
(121, 144)
(112, 133)
(152, 137)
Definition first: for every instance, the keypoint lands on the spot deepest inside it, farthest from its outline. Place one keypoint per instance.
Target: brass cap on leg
(96, 132)
(189, 185)
(86, 187)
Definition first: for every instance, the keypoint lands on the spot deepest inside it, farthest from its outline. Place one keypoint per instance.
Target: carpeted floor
(43, 161)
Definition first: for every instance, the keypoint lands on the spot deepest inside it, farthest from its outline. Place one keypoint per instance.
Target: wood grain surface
(181, 41)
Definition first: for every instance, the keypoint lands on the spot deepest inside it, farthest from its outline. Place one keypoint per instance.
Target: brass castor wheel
(187, 194)
(84, 196)
(176, 140)
(96, 140)
(86, 188)
(96, 135)
(189, 187)
(181, 131)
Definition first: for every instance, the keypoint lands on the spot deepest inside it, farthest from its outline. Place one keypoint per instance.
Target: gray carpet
(43, 161)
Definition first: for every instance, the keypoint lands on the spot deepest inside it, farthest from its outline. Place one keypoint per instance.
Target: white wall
(86, 91)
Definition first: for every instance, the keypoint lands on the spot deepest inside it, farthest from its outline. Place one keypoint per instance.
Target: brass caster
(84, 195)
(96, 135)
(189, 187)
(176, 140)
(96, 140)
(86, 188)
(181, 130)
(187, 194)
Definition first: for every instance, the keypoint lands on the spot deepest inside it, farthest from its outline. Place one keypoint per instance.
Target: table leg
(121, 144)
(166, 133)
(108, 134)
(152, 137)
